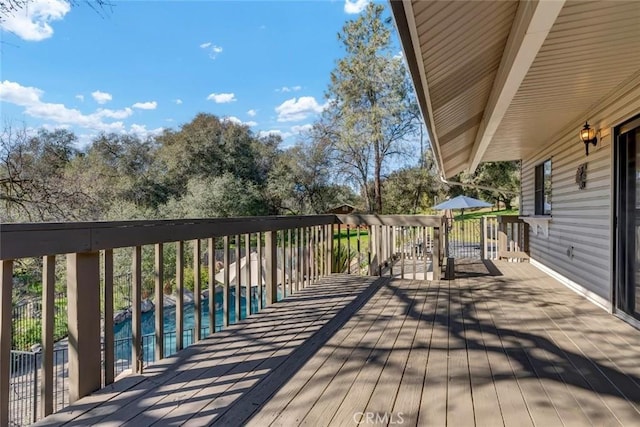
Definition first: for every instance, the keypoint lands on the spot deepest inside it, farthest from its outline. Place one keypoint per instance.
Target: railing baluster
(305, 257)
(260, 271)
(159, 308)
(238, 284)
(348, 248)
(271, 264)
(424, 253)
(298, 259)
(309, 256)
(180, 295)
(287, 262)
(414, 250)
(226, 292)
(331, 248)
(402, 254)
(312, 254)
(197, 292)
(211, 262)
(247, 250)
(109, 356)
(136, 319)
(48, 319)
(287, 248)
(83, 284)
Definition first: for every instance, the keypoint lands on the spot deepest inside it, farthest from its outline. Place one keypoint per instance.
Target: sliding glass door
(627, 262)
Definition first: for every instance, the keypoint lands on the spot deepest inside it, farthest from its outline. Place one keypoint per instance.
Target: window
(543, 188)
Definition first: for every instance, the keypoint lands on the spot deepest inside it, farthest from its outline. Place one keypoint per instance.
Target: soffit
(592, 49)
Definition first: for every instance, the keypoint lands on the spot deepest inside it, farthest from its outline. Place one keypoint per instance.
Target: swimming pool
(122, 331)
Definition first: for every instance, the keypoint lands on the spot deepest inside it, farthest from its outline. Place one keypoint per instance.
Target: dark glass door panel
(627, 261)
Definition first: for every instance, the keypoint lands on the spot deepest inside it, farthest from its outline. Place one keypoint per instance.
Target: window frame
(540, 179)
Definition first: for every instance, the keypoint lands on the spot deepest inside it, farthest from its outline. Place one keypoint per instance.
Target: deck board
(511, 349)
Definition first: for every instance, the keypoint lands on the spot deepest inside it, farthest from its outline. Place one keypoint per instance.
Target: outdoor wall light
(588, 136)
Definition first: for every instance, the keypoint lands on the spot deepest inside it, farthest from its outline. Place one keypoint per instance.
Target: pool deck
(507, 345)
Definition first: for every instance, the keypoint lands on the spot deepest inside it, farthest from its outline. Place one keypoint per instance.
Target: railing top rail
(40, 239)
(393, 220)
(509, 218)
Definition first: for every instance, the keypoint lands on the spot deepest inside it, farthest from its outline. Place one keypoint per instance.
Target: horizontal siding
(581, 218)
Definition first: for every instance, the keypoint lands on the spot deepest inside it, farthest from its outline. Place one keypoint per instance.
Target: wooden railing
(292, 252)
(505, 236)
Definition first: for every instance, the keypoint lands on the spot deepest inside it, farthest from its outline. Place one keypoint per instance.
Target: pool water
(122, 331)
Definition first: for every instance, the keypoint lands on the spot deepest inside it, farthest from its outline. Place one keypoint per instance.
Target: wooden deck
(514, 348)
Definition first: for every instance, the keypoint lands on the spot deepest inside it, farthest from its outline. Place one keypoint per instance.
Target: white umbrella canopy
(243, 271)
(462, 202)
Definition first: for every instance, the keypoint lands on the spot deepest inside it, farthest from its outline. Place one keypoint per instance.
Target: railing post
(48, 318)
(6, 308)
(502, 237)
(272, 268)
(437, 245)
(83, 283)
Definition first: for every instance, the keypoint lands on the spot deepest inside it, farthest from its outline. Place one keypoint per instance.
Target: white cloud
(274, 132)
(293, 110)
(31, 22)
(237, 121)
(301, 128)
(142, 132)
(212, 49)
(15, 93)
(355, 6)
(289, 89)
(151, 105)
(178, 101)
(252, 113)
(30, 99)
(221, 98)
(80, 98)
(114, 114)
(101, 97)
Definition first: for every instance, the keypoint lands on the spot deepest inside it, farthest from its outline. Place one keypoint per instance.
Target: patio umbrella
(462, 203)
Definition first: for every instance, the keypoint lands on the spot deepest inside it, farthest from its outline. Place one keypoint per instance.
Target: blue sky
(146, 65)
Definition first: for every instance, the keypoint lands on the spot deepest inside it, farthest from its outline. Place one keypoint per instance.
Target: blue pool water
(122, 331)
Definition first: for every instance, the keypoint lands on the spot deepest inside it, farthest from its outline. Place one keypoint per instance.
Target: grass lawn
(483, 212)
(341, 237)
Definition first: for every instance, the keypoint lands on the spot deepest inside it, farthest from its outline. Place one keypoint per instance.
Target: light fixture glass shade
(587, 133)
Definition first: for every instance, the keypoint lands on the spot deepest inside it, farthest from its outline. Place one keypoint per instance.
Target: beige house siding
(581, 218)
